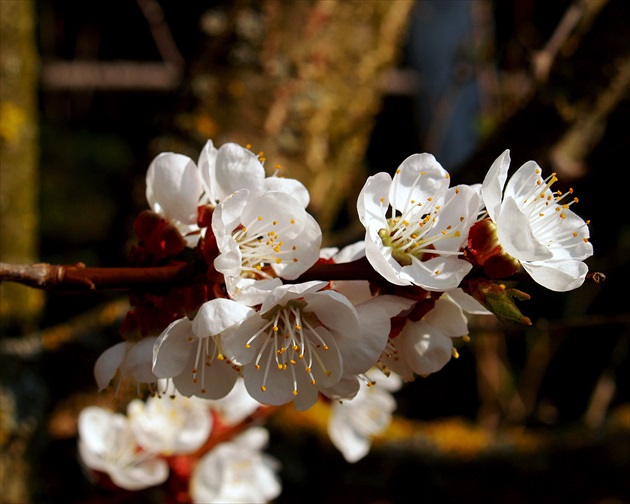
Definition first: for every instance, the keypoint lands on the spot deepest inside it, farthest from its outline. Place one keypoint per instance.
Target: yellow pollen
(263, 388)
(448, 176)
(298, 327)
(429, 199)
(455, 353)
(259, 267)
(292, 361)
(462, 219)
(257, 366)
(292, 221)
(295, 259)
(313, 381)
(423, 173)
(382, 200)
(278, 261)
(275, 222)
(466, 338)
(279, 366)
(203, 390)
(574, 234)
(247, 345)
(220, 357)
(398, 170)
(437, 272)
(585, 240)
(259, 218)
(563, 216)
(307, 369)
(295, 392)
(413, 202)
(275, 328)
(248, 146)
(537, 170)
(541, 214)
(325, 347)
(456, 190)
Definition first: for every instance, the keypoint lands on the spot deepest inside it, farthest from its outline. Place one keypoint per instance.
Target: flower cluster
(160, 438)
(269, 307)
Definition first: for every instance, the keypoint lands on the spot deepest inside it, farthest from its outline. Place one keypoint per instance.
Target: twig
(78, 277)
(582, 11)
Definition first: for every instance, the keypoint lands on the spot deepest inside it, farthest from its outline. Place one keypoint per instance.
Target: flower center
(291, 341)
(260, 246)
(413, 232)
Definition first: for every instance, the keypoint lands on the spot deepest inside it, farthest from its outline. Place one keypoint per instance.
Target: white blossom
(170, 425)
(263, 237)
(130, 360)
(535, 224)
(106, 444)
(191, 352)
(416, 226)
(237, 472)
(353, 423)
(298, 344)
(425, 346)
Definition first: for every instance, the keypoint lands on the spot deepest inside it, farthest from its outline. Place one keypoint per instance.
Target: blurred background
(330, 92)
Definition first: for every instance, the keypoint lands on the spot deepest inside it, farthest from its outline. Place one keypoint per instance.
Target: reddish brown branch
(78, 277)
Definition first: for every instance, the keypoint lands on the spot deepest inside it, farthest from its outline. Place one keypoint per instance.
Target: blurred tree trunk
(19, 156)
(301, 81)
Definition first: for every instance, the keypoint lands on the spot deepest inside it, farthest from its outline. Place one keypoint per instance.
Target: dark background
(97, 145)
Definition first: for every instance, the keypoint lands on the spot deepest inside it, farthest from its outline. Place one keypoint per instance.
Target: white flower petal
(173, 184)
(373, 199)
(493, 183)
(217, 315)
(449, 317)
(207, 165)
(558, 276)
(289, 186)
(172, 349)
(419, 177)
(238, 168)
(427, 349)
(515, 234)
(107, 364)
